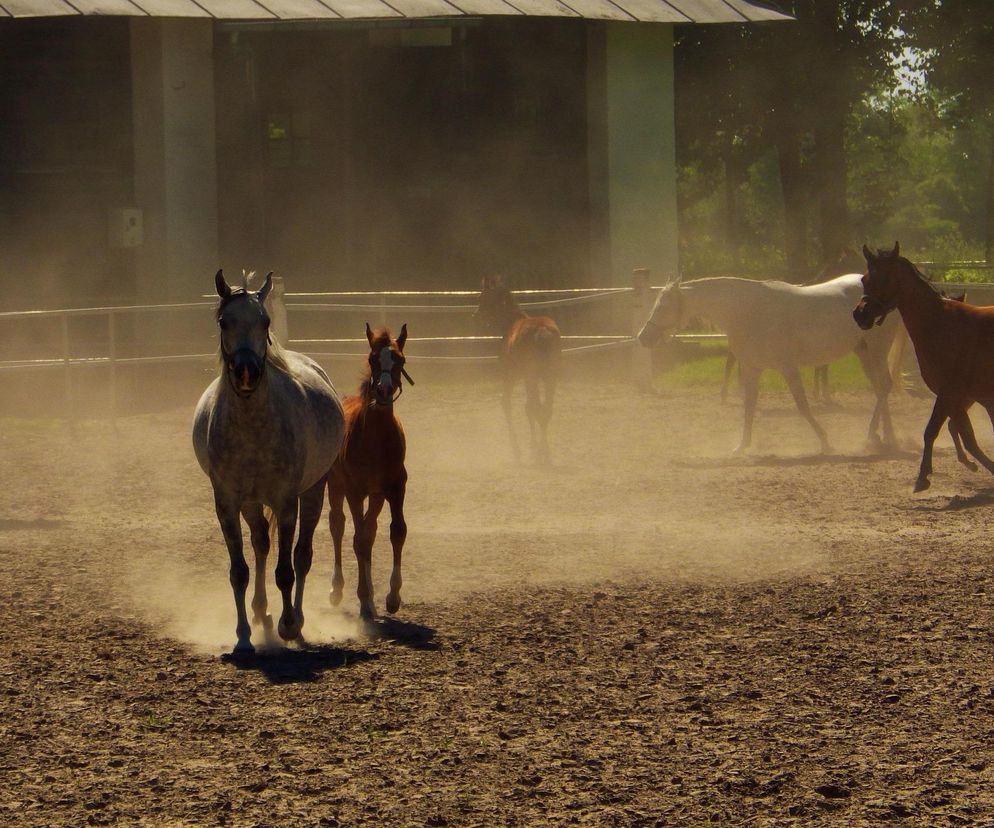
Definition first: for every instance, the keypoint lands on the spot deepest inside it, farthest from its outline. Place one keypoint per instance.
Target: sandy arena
(651, 632)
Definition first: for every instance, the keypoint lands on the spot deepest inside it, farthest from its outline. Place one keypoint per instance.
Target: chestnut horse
(370, 465)
(530, 351)
(954, 342)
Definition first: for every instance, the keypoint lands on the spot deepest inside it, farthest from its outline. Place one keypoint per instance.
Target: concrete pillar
(640, 149)
(172, 70)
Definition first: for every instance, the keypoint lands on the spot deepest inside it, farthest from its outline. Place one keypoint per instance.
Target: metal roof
(646, 11)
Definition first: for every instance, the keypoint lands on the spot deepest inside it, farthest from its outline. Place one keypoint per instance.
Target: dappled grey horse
(266, 431)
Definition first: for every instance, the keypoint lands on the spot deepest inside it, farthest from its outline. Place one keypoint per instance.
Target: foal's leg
(545, 412)
(311, 503)
(965, 428)
(286, 522)
(259, 528)
(362, 543)
(958, 445)
(533, 410)
(398, 534)
(793, 377)
(749, 377)
(227, 509)
(506, 403)
(939, 414)
(336, 522)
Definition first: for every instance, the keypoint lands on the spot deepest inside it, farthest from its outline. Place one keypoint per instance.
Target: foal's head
(666, 316)
(243, 327)
(886, 272)
(386, 365)
(497, 307)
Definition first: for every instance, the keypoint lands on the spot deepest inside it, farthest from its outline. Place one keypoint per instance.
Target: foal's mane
(889, 254)
(275, 353)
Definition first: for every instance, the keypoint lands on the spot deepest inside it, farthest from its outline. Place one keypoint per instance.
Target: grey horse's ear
(897, 250)
(402, 336)
(222, 286)
(267, 286)
(868, 254)
(369, 335)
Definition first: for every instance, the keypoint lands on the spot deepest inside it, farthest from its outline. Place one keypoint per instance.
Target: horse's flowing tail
(270, 517)
(895, 360)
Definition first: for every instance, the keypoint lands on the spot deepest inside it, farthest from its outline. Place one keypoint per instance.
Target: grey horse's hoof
(335, 597)
(243, 649)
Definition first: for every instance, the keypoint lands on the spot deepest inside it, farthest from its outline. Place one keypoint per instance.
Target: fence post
(641, 305)
(277, 311)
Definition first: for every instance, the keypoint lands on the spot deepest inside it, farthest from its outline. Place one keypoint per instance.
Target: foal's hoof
(971, 465)
(266, 621)
(393, 602)
(921, 484)
(335, 597)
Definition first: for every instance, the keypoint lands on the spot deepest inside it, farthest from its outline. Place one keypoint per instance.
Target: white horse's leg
(873, 360)
(793, 377)
(336, 522)
(286, 522)
(311, 503)
(227, 509)
(749, 377)
(259, 530)
(398, 534)
(729, 365)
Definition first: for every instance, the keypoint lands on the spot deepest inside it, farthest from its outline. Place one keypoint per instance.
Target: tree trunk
(788, 142)
(830, 173)
(733, 176)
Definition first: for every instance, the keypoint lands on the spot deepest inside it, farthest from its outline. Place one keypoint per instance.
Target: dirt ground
(651, 632)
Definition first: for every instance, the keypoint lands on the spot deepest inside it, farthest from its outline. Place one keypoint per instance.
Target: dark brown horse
(954, 343)
(530, 351)
(370, 465)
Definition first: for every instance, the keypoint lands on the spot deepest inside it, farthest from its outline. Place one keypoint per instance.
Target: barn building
(344, 143)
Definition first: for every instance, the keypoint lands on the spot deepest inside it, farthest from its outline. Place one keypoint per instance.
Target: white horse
(782, 326)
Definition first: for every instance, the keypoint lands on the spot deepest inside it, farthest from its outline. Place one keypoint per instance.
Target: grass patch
(705, 368)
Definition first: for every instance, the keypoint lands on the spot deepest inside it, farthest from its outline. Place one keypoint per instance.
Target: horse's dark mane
(888, 254)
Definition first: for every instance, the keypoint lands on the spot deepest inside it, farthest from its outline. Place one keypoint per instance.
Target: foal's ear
(369, 335)
(266, 287)
(222, 286)
(868, 254)
(402, 336)
(896, 251)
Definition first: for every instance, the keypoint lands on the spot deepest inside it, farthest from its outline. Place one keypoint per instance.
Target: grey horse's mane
(275, 353)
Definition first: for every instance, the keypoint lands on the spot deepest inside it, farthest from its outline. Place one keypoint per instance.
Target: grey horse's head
(243, 329)
(666, 315)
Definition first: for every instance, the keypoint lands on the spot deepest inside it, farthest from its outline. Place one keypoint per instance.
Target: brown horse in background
(954, 342)
(530, 351)
(370, 465)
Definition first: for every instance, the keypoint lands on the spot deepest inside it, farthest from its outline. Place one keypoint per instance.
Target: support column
(172, 69)
(640, 147)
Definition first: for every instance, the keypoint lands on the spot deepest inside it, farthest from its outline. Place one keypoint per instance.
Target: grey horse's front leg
(793, 378)
(311, 503)
(227, 508)
(259, 529)
(286, 522)
(749, 377)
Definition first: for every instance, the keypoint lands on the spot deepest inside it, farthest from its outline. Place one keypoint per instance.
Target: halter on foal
(954, 343)
(371, 465)
(531, 350)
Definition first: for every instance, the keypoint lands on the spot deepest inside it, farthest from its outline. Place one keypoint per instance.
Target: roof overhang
(643, 11)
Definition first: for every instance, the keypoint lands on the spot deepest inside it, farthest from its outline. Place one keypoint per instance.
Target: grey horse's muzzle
(245, 369)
